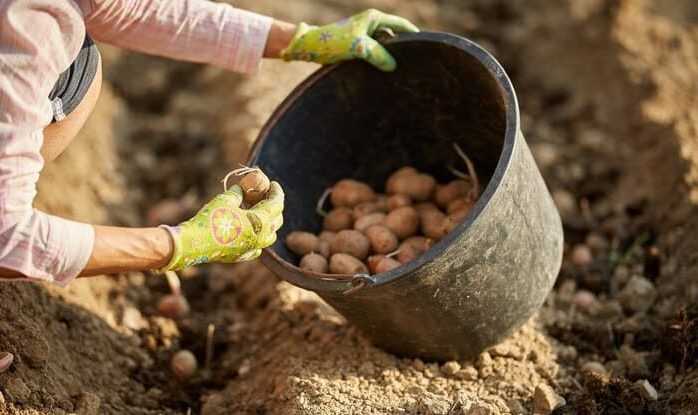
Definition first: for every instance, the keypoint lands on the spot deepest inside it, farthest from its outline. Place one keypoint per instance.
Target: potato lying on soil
(403, 222)
(382, 239)
(302, 243)
(447, 193)
(350, 193)
(398, 201)
(364, 222)
(314, 263)
(339, 219)
(346, 264)
(417, 186)
(351, 242)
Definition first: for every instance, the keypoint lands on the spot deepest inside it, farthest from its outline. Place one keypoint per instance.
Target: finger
(374, 53)
(273, 205)
(396, 23)
(233, 196)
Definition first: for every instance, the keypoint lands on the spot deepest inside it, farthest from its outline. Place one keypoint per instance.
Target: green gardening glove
(222, 231)
(347, 39)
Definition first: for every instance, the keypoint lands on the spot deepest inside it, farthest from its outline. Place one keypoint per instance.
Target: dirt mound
(608, 99)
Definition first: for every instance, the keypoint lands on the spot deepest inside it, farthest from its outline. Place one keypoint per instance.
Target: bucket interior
(353, 121)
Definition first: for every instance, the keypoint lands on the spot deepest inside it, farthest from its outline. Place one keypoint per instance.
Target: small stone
(584, 299)
(17, 391)
(6, 359)
(595, 367)
(88, 404)
(581, 255)
(646, 389)
(638, 294)
(545, 400)
(467, 373)
(450, 368)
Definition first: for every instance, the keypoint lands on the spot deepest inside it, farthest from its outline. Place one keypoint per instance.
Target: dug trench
(608, 105)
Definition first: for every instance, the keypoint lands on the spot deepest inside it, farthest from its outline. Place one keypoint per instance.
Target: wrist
(174, 251)
(280, 36)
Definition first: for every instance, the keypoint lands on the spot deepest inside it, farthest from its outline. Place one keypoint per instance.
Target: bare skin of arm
(128, 249)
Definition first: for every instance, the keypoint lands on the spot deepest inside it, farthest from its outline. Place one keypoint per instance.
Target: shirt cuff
(245, 38)
(75, 242)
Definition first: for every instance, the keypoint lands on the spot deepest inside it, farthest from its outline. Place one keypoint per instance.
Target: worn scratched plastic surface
(484, 279)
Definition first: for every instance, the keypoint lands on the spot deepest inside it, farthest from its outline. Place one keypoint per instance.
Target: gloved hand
(347, 39)
(222, 231)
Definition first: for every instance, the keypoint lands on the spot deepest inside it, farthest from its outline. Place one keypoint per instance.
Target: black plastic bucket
(489, 275)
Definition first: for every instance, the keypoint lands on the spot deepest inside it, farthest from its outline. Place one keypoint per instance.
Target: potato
(459, 215)
(448, 193)
(419, 187)
(323, 248)
(255, 186)
(382, 239)
(382, 203)
(386, 264)
(327, 236)
(424, 206)
(458, 204)
(403, 171)
(373, 261)
(434, 224)
(398, 201)
(351, 242)
(314, 263)
(346, 264)
(339, 219)
(302, 243)
(365, 208)
(365, 221)
(420, 243)
(350, 193)
(406, 254)
(403, 222)
(411, 248)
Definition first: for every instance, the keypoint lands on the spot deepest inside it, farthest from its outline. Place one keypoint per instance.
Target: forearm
(280, 36)
(128, 249)
(121, 250)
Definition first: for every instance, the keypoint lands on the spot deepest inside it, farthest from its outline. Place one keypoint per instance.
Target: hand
(222, 231)
(347, 39)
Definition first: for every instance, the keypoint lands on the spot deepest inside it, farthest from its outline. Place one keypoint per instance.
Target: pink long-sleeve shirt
(39, 39)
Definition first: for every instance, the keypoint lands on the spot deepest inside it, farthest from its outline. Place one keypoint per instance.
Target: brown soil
(608, 95)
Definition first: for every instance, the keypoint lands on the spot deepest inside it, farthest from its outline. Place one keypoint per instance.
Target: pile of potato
(367, 232)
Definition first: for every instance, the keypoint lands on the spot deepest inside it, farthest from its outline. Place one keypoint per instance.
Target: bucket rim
(348, 283)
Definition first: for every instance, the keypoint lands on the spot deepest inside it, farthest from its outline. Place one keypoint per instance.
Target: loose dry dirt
(609, 99)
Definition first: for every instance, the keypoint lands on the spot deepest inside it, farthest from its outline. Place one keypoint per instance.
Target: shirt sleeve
(38, 40)
(192, 30)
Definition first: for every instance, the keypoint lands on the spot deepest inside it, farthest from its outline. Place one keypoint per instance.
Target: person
(50, 77)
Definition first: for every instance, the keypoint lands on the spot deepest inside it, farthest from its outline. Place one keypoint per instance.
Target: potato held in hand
(255, 186)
